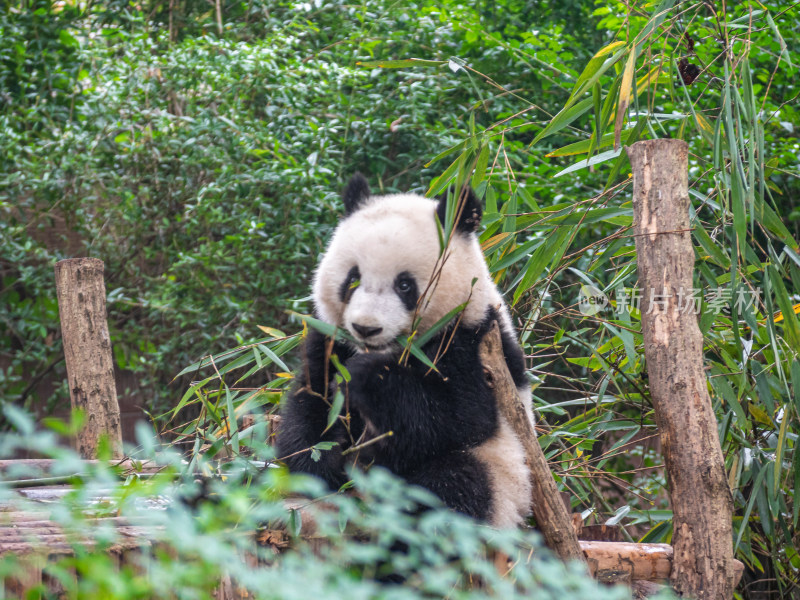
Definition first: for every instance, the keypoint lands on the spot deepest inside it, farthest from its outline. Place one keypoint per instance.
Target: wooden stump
(87, 349)
(703, 565)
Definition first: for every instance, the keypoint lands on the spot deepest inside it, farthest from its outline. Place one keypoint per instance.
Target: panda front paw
(367, 371)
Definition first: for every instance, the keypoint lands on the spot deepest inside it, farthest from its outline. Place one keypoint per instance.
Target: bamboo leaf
(480, 166)
(564, 118)
(401, 64)
(448, 152)
(795, 371)
(233, 426)
(584, 146)
(436, 327)
(647, 80)
(796, 468)
(594, 70)
(749, 508)
(441, 182)
(703, 124)
(625, 93)
(496, 240)
(583, 163)
(518, 254)
(340, 368)
(547, 253)
(295, 524)
(710, 247)
(779, 452)
(790, 324)
(785, 54)
(325, 328)
(336, 405)
(415, 350)
(267, 351)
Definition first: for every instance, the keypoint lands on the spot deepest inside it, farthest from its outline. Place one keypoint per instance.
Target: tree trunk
(551, 515)
(87, 349)
(703, 565)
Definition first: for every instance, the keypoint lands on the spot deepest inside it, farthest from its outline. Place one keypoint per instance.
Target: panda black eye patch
(349, 284)
(405, 286)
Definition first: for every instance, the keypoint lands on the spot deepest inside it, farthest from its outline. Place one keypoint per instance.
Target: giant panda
(384, 273)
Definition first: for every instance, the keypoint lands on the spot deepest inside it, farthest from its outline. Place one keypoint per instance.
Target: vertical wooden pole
(703, 565)
(87, 349)
(552, 517)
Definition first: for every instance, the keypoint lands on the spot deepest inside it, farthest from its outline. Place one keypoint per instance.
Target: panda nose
(366, 332)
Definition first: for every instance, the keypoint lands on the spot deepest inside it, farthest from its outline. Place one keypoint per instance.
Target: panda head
(384, 270)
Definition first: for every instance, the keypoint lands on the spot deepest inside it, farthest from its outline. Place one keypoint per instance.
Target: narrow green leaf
(772, 222)
(625, 95)
(784, 50)
(599, 126)
(336, 405)
(417, 352)
(779, 452)
(448, 152)
(441, 182)
(595, 160)
(659, 14)
(441, 323)
(660, 534)
(401, 64)
(325, 328)
(584, 146)
(295, 524)
(482, 163)
(273, 357)
(232, 423)
(710, 247)
(340, 368)
(724, 390)
(549, 252)
(791, 327)
(563, 118)
(516, 255)
(796, 468)
(795, 370)
(594, 69)
(746, 516)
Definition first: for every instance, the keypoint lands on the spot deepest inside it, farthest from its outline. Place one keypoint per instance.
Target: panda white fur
(382, 271)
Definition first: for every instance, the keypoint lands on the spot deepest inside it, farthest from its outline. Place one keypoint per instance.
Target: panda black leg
(460, 481)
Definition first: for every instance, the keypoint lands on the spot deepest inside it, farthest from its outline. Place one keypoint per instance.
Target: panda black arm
(305, 415)
(430, 414)
(515, 358)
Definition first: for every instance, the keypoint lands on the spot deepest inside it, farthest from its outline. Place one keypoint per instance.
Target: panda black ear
(469, 217)
(355, 192)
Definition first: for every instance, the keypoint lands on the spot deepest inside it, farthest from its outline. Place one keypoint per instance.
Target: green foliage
(201, 158)
(546, 241)
(197, 536)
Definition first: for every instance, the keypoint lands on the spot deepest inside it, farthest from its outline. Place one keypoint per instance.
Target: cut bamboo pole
(32, 468)
(551, 515)
(703, 566)
(87, 349)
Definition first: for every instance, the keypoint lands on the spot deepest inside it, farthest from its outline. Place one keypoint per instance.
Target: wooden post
(87, 349)
(703, 565)
(551, 515)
